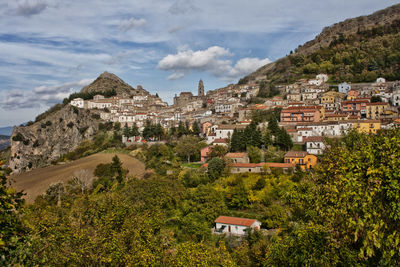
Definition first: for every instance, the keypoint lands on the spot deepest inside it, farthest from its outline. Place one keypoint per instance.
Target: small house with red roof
(235, 225)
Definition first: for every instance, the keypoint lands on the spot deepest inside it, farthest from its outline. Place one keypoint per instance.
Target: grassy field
(35, 182)
(195, 165)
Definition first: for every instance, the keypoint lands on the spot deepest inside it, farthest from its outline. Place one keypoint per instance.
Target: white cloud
(175, 76)
(42, 96)
(129, 24)
(211, 60)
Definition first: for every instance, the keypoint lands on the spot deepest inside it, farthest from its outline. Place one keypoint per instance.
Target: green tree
(12, 231)
(217, 151)
(254, 154)
(195, 128)
(125, 131)
(187, 147)
(215, 168)
(116, 168)
(134, 131)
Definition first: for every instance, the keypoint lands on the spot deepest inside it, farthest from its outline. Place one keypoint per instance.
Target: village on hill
(308, 111)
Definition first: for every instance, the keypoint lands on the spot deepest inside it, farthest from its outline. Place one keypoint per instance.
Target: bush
(18, 137)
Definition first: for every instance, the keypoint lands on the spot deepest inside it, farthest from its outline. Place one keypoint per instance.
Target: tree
(217, 151)
(125, 131)
(252, 135)
(237, 141)
(254, 154)
(273, 126)
(117, 126)
(187, 147)
(12, 231)
(195, 128)
(349, 210)
(116, 167)
(215, 167)
(376, 98)
(284, 140)
(134, 131)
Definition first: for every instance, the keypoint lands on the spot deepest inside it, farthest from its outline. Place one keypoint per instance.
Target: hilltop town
(310, 110)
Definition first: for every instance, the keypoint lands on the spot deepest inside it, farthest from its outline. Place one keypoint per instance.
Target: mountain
(107, 82)
(355, 50)
(6, 130)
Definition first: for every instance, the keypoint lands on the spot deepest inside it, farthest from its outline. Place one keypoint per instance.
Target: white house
(396, 98)
(315, 82)
(78, 102)
(315, 145)
(322, 77)
(235, 225)
(380, 80)
(222, 108)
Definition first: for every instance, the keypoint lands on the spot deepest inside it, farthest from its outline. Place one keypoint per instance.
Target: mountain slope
(356, 50)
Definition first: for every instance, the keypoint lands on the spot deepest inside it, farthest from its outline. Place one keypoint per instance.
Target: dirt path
(35, 183)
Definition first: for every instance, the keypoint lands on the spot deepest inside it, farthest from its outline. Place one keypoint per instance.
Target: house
(367, 126)
(238, 157)
(380, 80)
(301, 158)
(261, 167)
(235, 225)
(78, 102)
(395, 99)
(220, 142)
(294, 115)
(355, 107)
(315, 145)
(376, 110)
(204, 153)
(352, 94)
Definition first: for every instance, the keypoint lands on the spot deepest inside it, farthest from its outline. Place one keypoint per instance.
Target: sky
(51, 48)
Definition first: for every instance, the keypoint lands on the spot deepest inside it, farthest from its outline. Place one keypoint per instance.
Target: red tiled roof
(236, 155)
(220, 141)
(269, 164)
(296, 154)
(378, 104)
(235, 221)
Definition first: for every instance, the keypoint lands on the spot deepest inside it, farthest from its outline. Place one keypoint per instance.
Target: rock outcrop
(43, 142)
(108, 81)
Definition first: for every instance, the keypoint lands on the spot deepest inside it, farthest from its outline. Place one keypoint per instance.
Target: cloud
(29, 8)
(175, 76)
(175, 29)
(42, 96)
(211, 60)
(183, 7)
(129, 24)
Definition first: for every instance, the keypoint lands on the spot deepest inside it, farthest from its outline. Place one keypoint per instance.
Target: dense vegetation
(361, 57)
(345, 212)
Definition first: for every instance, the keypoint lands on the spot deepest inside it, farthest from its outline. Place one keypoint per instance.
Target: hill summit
(110, 82)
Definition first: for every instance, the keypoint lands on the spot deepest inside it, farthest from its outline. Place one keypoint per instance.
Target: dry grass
(35, 183)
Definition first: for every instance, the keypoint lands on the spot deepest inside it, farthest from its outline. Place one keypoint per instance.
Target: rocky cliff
(43, 142)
